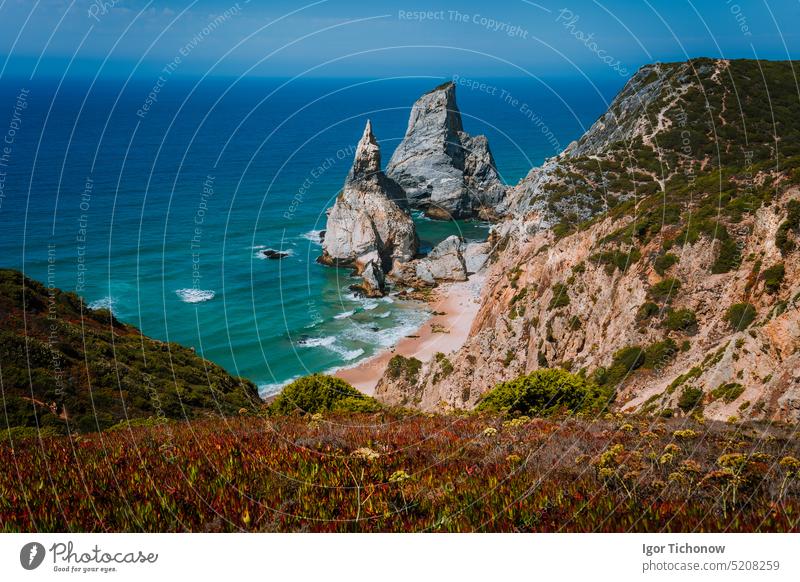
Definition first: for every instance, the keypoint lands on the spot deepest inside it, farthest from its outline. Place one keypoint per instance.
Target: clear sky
(379, 38)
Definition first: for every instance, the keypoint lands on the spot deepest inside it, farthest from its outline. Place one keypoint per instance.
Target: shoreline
(455, 305)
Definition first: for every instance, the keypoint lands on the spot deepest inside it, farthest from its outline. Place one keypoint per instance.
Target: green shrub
(18, 433)
(445, 367)
(665, 290)
(728, 257)
(680, 320)
(560, 296)
(728, 392)
(647, 310)
(544, 392)
(657, 355)
(741, 315)
(792, 223)
(782, 241)
(402, 367)
(630, 358)
(617, 259)
(690, 398)
(320, 393)
(773, 278)
(623, 363)
(664, 262)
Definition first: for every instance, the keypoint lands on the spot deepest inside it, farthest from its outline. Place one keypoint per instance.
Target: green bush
(741, 315)
(647, 310)
(545, 392)
(773, 278)
(623, 363)
(320, 393)
(792, 223)
(664, 262)
(680, 320)
(690, 398)
(665, 290)
(657, 355)
(402, 367)
(560, 296)
(445, 367)
(631, 357)
(728, 392)
(617, 259)
(728, 257)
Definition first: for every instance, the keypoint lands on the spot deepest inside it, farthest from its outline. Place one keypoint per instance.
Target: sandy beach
(455, 304)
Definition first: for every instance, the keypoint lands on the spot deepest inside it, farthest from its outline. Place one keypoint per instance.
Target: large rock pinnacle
(368, 225)
(444, 170)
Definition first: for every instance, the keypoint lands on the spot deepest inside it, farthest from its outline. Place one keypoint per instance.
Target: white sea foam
(313, 236)
(344, 314)
(195, 295)
(384, 315)
(348, 355)
(329, 343)
(259, 254)
(316, 342)
(265, 390)
(104, 303)
(408, 323)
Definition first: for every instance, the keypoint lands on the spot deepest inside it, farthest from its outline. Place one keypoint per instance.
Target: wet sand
(441, 333)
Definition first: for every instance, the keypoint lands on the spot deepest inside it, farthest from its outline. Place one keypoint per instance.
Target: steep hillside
(64, 365)
(656, 255)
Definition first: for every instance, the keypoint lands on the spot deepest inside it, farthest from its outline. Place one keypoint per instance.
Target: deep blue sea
(157, 207)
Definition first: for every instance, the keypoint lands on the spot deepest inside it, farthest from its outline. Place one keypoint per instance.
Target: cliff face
(369, 223)
(657, 255)
(444, 170)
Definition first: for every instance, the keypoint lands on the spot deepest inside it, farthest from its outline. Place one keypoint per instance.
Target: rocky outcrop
(444, 263)
(369, 223)
(445, 171)
(373, 281)
(581, 277)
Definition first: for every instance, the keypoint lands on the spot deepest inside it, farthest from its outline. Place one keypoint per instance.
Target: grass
(394, 472)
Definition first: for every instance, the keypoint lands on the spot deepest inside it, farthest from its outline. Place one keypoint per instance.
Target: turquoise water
(161, 214)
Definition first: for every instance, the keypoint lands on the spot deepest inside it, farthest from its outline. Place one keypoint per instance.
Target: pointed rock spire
(368, 224)
(367, 160)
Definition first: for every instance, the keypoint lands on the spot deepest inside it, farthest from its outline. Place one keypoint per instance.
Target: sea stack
(445, 171)
(369, 227)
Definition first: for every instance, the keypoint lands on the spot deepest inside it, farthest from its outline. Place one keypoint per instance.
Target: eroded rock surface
(444, 170)
(369, 221)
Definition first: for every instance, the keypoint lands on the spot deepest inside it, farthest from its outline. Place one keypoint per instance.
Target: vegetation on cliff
(407, 473)
(68, 367)
(319, 393)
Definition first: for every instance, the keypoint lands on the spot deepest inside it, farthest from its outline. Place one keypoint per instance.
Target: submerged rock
(369, 227)
(273, 254)
(443, 169)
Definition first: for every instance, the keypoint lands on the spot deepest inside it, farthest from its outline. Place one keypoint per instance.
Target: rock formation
(579, 276)
(444, 170)
(444, 263)
(369, 227)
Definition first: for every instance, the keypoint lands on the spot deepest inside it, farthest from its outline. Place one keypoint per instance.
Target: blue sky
(380, 38)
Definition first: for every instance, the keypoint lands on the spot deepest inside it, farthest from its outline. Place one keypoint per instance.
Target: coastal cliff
(656, 255)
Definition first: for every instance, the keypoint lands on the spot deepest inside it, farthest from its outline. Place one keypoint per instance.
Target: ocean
(155, 198)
